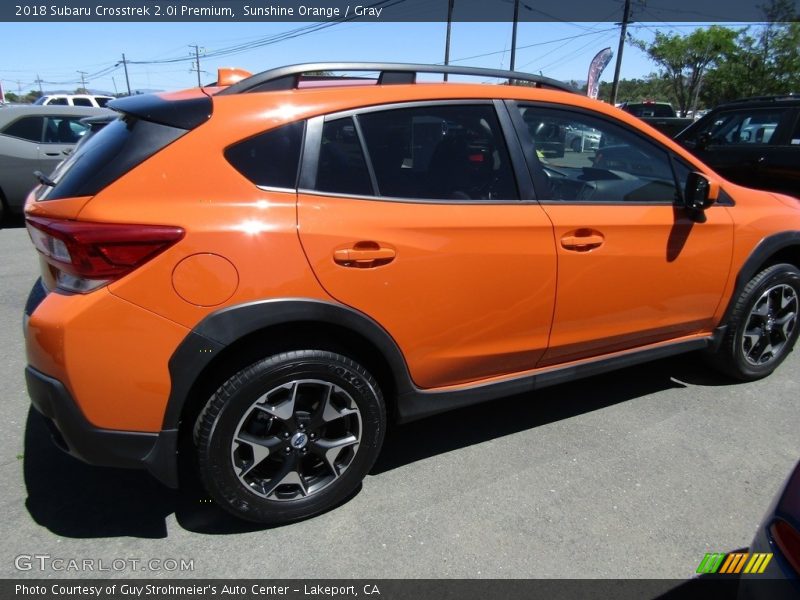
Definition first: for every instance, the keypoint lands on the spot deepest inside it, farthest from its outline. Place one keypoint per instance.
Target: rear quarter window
(270, 159)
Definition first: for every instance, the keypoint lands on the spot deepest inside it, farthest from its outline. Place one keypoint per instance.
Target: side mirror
(700, 192)
(703, 141)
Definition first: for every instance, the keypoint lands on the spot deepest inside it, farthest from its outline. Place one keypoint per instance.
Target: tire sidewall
(215, 450)
(781, 274)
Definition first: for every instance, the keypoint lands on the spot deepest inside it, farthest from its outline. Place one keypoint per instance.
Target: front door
(633, 269)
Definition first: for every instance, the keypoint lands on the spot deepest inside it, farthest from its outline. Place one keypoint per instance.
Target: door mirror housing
(703, 141)
(700, 192)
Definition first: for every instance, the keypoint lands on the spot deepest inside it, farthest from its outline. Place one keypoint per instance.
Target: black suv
(753, 142)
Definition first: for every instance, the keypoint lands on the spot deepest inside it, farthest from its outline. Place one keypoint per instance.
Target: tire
(763, 325)
(290, 436)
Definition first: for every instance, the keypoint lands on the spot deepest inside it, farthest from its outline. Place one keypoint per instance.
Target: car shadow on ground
(75, 500)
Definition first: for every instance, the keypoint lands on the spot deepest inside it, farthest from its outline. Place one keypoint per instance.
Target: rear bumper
(156, 452)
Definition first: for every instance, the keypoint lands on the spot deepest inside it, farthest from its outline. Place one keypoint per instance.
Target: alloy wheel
(770, 324)
(296, 439)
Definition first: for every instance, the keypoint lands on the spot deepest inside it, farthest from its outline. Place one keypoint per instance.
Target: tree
(766, 60)
(684, 60)
(637, 90)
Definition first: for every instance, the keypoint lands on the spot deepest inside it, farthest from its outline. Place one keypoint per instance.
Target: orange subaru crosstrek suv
(265, 272)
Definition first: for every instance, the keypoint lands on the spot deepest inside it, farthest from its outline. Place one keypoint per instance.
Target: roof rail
(289, 77)
(772, 98)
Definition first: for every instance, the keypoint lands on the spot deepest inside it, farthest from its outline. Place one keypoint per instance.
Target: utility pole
(83, 80)
(447, 40)
(197, 62)
(114, 81)
(626, 15)
(39, 81)
(125, 66)
(514, 36)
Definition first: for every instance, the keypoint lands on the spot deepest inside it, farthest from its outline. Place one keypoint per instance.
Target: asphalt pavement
(632, 474)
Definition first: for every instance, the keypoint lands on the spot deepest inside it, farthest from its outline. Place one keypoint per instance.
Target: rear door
(426, 233)
(20, 143)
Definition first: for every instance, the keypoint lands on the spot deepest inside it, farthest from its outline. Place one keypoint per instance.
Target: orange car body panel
(111, 354)
(656, 276)
(470, 297)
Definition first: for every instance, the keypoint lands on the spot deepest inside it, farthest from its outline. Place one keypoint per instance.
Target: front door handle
(52, 153)
(582, 240)
(364, 255)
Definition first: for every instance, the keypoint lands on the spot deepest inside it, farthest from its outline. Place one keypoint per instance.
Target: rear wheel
(763, 325)
(290, 436)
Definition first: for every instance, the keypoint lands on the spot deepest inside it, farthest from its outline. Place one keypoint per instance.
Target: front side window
(582, 158)
(439, 152)
(270, 159)
(744, 126)
(64, 130)
(27, 128)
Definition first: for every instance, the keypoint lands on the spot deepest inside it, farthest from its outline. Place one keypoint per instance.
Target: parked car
(753, 142)
(98, 101)
(35, 138)
(660, 115)
(582, 139)
(778, 540)
(266, 274)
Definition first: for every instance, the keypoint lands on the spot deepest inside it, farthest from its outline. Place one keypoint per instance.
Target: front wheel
(762, 328)
(290, 436)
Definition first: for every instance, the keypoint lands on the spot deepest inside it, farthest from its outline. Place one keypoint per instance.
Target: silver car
(36, 138)
(582, 139)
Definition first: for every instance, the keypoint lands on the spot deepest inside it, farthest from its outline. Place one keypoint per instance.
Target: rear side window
(439, 152)
(743, 126)
(101, 102)
(342, 167)
(108, 155)
(270, 159)
(27, 128)
(82, 102)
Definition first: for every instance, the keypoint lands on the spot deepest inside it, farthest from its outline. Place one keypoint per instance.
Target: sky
(56, 52)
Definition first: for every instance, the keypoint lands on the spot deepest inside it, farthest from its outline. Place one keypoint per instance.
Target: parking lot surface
(633, 474)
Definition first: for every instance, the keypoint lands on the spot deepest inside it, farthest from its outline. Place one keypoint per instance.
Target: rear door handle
(364, 255)
(52, 154)
(580, 242)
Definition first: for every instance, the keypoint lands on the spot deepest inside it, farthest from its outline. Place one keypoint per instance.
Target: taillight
(86, 256)
(787, 539)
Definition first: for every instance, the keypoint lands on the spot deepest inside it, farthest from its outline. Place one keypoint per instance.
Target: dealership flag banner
(596, 68)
